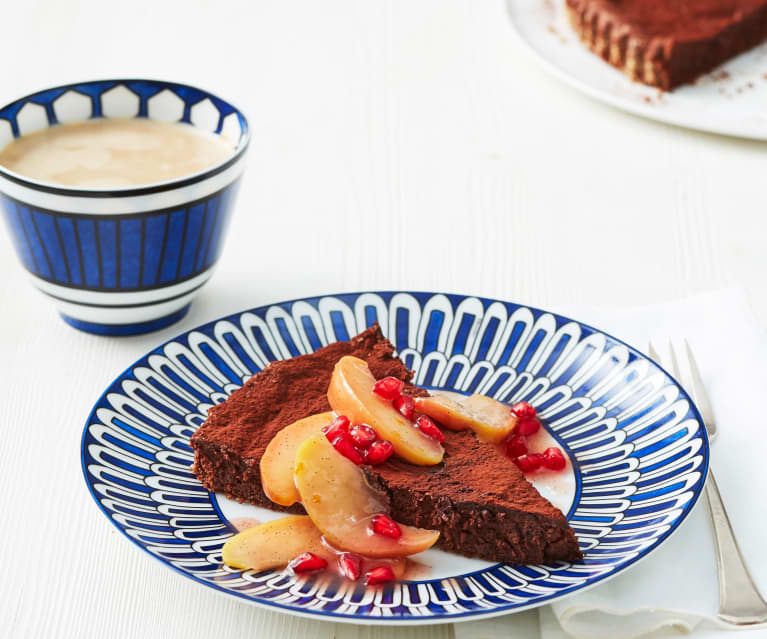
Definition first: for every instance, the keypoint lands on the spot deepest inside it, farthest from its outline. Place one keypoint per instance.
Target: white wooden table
(396, 145)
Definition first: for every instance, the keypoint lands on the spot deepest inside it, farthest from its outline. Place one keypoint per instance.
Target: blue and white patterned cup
(128, 260)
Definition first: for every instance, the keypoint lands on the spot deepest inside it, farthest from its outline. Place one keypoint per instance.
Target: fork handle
(739, 600)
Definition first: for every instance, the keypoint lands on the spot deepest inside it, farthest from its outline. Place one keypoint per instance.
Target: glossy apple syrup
(558, 486)
(402, 567)
(243, 523)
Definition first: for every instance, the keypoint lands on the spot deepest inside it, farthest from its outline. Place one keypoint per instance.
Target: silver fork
(740, 603)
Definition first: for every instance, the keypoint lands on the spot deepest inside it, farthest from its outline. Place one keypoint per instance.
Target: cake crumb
(555, 32)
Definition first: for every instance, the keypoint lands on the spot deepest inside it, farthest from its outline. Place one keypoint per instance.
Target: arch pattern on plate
(629, 429)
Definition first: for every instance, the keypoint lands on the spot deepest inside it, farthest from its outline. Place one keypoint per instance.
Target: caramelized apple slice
(275, 543)
(342, 504)
(351, 394)
(445, 408)
(490, 419)
(280, 455)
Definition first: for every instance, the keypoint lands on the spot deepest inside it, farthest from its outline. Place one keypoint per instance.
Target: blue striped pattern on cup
(126, 253)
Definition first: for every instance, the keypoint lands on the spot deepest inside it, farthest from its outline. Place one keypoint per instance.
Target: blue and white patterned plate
(633, 435)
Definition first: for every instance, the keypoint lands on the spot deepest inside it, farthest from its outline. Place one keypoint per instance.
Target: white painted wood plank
(396, 145)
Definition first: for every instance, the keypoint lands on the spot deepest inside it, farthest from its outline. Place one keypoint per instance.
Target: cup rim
(147, 189)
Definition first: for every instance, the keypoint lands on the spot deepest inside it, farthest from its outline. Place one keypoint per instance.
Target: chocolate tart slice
(665, 43)
(479, 501)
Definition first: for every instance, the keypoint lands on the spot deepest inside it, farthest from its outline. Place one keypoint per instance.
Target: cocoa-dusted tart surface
(479, 501)
(665, 43)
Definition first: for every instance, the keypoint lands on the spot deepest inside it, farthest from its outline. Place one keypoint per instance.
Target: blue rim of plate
(632, 429)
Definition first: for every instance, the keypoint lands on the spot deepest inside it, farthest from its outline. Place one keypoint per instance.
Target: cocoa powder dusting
(289, 390)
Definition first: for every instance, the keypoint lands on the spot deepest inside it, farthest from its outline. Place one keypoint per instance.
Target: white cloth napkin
(674, 591)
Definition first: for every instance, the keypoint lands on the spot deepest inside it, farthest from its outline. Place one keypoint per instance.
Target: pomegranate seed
(362, 435)
(379, 575)
(385, 526)
(337, 428)
(516, 446)
(428, 427)
(345, 446)
(307, 562)
(389, 388)
(527, 426)
(523, 409)
(554, 459)
(350, 565)
(529, 463)
(378, 452)
(405, 405)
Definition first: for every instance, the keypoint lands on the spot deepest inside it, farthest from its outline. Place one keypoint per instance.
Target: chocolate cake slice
(665, 43)
(479, 501)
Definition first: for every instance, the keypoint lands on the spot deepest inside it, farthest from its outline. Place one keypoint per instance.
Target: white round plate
(731, 100)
